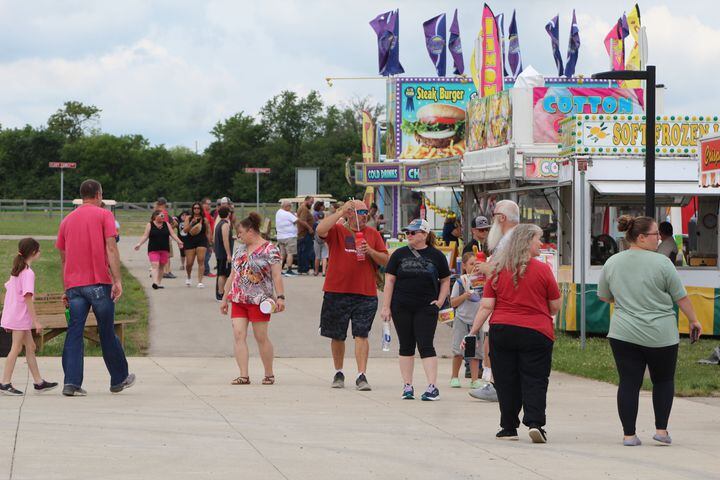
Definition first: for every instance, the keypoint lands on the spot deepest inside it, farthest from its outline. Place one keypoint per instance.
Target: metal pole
(62, 185)
(650, 143)
(257, 191)
(582, 259)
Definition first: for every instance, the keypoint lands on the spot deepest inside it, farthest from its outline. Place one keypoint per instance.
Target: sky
(171, 69)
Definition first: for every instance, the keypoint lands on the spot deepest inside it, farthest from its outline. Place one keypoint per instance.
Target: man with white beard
(506, 217)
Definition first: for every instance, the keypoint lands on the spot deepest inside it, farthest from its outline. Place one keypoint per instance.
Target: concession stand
(603, 173)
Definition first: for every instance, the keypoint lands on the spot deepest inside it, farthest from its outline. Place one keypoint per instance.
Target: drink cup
(359, 240)
(446, 315)
(268, 306)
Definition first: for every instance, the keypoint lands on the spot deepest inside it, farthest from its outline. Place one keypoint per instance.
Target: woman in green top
(644, 284)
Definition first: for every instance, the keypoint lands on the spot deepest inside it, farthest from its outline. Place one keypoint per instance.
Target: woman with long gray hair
(523, 296)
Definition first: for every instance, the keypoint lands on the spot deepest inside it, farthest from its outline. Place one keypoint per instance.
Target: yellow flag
(476, 61)
(633, 61)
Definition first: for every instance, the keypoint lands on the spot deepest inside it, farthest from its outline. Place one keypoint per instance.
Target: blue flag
(455, 46)
(553, 29)
(500, 21)
(435, 41)
(513, 55)
(573, 48)
(387, 29)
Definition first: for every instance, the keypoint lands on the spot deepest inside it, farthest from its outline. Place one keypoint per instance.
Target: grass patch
(132, 223)
(596, 362)
(132, 305)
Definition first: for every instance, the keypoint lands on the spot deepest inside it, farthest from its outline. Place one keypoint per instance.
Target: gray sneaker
(73, 391)
(338, 380)
(362, 384)
(127, 383)
(486, 393)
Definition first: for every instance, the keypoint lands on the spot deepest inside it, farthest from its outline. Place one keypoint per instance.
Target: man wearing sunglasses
(356, 252)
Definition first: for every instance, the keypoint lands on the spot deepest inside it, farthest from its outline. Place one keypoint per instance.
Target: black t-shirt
(418, 279)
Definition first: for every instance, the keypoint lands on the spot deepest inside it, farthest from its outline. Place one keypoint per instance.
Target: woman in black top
(224, 243)
(158, 232)
(198, 240)
(417, 282)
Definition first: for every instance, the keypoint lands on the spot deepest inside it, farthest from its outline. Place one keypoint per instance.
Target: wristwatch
(281, 297)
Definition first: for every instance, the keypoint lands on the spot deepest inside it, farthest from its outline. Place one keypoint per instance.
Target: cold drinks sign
(386, 174)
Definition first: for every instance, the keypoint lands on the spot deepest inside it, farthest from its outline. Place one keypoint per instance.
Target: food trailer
(602, 176)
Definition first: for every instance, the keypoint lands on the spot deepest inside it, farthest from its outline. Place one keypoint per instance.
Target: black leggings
(631, 360)
(415, 327)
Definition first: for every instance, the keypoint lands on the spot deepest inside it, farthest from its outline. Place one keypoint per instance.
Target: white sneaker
(487, 374)
(200, 285)
(187, 282)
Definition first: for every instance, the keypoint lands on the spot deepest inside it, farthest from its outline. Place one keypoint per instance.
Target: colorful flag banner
(513, 55)
(387, 29)
(476, 59)
(435, 41)
(553, 29)
(614, 46)
(633, 61)
(491, 73)
(455, 46)
(500, 22)
(573, 47)
(368, 138)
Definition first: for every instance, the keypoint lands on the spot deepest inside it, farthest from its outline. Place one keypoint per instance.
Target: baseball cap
(418, 225)
(480, 222)
(224, 200)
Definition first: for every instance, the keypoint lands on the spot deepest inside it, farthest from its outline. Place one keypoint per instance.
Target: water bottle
(67, 316)
(386, 337)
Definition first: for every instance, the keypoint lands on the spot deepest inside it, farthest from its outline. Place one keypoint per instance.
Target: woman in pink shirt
(18, 317)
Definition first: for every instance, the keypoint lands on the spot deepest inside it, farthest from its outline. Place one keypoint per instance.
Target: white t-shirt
(285, 224)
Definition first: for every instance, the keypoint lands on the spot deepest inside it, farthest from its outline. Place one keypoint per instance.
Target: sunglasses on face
(361, 212)
(413, 232)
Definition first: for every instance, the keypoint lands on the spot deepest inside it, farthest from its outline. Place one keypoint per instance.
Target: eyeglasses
(651, 234)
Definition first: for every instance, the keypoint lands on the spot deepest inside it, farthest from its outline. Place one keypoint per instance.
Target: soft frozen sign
(552, 105)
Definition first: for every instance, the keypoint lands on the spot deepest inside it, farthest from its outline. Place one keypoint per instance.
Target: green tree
(74, 120)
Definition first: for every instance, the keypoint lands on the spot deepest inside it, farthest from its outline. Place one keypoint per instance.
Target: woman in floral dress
(256, 277)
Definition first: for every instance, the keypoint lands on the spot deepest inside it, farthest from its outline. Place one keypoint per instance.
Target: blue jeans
(208, 254)
(306, 253)
(81, 299)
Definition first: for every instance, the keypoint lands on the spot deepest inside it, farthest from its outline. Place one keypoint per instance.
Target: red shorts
(250, 311)
(159, 256)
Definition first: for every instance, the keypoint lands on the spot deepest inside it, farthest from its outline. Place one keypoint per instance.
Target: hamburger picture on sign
(430, 115)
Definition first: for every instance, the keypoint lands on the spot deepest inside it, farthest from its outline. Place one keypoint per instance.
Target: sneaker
(537, 435)
(665, 439)
(408, 393)
(290, 273)
(44, 386)
(155, 286)
(507, 434)
(219, 296)
(73, 391)
(169, 275)
(487, 393)
(632, 442)
(487, 374)
(454, 382)
(8, 389)
(127, 383)
(210, 275)
(187, 282)
(200, 285)
(362, 384)
(338, 380)
(431, 394)
(476, 384)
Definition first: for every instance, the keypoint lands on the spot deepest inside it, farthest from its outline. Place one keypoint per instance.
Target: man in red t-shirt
(350, 288)
(91, 276)
(207, 206)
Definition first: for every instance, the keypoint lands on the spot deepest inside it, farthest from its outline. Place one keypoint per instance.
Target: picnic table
(51, 315)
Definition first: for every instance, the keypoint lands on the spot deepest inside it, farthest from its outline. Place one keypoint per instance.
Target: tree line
(290, 131)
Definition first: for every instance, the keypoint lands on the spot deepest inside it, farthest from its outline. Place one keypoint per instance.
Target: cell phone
(694, 335)
(470, 343)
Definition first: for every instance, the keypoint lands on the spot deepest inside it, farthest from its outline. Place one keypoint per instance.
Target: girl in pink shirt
(18, 317)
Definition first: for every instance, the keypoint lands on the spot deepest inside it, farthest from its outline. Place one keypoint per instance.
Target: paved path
(184, 421)
(186, 321)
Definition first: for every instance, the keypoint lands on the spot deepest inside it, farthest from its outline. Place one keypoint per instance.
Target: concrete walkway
(183, 420)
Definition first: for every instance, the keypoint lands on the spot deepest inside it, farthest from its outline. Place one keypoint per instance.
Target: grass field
(596, 362)
(132, 223)
(133, 304)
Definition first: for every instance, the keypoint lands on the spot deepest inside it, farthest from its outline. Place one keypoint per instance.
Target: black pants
(631, 360)
(415, 326)
(521, 361)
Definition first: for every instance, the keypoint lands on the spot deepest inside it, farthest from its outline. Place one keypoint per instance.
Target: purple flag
(573, 48)
(455, 46)
(553, 29)
(500, 21)
(387, 29)
(514, 58)
(435, 41)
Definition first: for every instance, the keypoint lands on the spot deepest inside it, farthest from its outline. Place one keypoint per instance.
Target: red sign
(710, 162)
(257, 170)
(62, 165)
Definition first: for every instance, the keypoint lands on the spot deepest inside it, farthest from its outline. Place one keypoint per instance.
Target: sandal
(269, 380)
(241, 381)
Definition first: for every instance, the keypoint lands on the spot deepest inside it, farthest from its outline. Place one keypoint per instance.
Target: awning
(626, 187)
